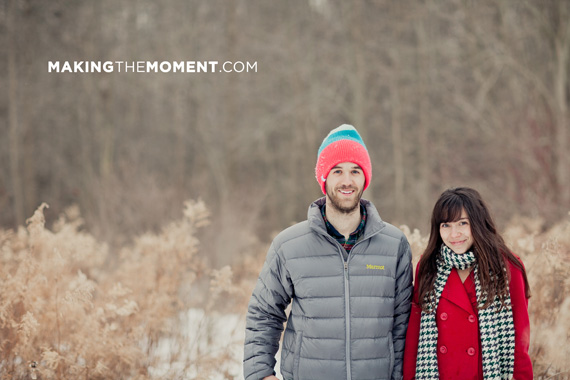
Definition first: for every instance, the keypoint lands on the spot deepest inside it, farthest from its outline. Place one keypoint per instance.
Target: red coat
(458, 344)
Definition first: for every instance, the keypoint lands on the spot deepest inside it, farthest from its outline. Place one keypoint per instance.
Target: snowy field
(212, 348)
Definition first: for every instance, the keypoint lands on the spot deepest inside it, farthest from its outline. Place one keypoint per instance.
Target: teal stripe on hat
(344, 132)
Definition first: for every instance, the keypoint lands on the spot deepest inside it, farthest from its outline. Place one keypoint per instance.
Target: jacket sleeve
(265, 317)
(402, 301)
(413, 334)
(519, 302)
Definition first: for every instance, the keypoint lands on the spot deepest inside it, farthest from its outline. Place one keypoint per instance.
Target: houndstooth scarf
(496, 328)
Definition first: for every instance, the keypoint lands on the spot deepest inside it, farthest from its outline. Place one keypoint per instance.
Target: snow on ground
(204, 336)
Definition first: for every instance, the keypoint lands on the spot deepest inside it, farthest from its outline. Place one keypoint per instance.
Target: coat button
(471, 318)
(471, 351)
(443, 350)
(443, 316)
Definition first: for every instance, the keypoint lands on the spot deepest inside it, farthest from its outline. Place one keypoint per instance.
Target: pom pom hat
(342, 144)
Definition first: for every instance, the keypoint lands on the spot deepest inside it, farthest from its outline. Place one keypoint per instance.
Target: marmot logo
(377, 267)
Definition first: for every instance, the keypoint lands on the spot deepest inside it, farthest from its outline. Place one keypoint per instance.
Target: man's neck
(344, 223)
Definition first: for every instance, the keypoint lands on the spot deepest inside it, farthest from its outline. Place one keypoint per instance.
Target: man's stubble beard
(337, 205)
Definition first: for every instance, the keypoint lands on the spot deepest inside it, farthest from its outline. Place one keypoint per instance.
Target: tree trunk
(13, 122)
(562, 49)
(397, 142)
(422, 184)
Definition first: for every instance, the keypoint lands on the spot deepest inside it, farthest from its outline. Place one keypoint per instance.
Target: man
(348, 275)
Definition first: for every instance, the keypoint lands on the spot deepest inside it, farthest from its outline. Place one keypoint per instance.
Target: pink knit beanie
(342, 144)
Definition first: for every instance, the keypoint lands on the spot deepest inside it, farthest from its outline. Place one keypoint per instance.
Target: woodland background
(444, 93)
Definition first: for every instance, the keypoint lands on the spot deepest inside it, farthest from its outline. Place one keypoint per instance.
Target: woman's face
(457, 235)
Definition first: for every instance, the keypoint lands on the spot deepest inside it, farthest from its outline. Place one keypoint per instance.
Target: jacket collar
(454, 291)
(374, 223)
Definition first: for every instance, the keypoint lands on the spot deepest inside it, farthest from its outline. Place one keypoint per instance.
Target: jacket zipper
(347, 298)
(347, 303)
(347, 318)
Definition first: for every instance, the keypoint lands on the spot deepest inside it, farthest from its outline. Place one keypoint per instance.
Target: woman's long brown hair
(489, 247)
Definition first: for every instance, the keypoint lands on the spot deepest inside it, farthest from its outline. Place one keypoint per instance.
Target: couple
(348, 275)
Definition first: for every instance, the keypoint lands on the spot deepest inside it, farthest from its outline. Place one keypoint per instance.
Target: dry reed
(70, 309)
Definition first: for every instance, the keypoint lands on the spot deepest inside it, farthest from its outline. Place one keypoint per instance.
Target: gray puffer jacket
(348, 318)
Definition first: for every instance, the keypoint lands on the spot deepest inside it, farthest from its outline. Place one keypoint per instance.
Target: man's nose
(346, 178)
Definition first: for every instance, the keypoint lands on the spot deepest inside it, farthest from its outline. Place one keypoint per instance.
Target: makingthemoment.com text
(151, 67)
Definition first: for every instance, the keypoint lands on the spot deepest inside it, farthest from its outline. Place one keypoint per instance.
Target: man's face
(344, 187)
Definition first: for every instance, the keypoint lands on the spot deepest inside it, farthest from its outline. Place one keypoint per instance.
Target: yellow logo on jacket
(377, 267)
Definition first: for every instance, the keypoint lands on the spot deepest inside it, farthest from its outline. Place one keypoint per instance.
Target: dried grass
(68, 310)
(157, 310)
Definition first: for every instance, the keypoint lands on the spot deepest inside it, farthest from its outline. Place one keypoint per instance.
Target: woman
(469, 316)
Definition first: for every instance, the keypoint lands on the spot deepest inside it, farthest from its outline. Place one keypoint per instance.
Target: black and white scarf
(496, 326)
